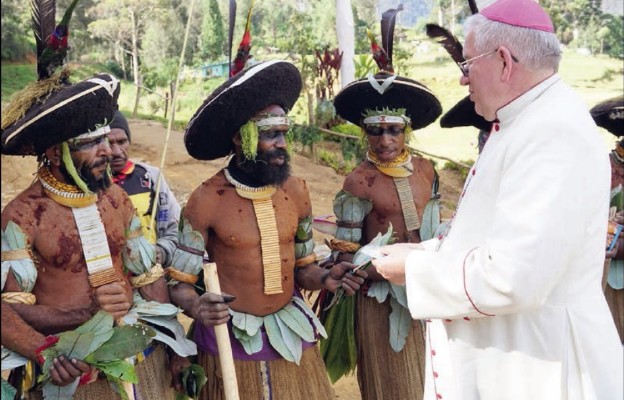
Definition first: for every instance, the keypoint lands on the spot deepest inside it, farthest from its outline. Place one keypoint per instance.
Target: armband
(139, 256)
(147, 277)
(343, 246)
(350, 212)
(188, 257)
(180, 276)
(19, 298)
(18, 259)
(302, 262)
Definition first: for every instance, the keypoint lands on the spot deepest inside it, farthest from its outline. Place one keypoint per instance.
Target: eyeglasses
(464, 66)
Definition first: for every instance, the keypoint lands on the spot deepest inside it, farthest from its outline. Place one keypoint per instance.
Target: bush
(451, 166)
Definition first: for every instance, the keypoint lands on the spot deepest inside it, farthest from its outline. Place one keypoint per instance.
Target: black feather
(231, 33)
(447, 40)
(473, 6)
(43, 14)
(388, 18)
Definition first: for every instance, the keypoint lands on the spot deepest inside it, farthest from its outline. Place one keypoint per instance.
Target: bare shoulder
(360, 181)
(205, 198)
(208, 189)
(297, 189)
(296, 186)
(26, 207)
(424, 166)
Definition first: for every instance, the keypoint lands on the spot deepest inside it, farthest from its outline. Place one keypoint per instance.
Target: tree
(125, 21)
(213, 41)
(15, 30)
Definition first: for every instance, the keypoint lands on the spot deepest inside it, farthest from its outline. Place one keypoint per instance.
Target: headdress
(386, 90)
(210, 131)
(609, 114)
(50, 110)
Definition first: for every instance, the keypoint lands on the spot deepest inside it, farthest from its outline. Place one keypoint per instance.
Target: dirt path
(184, 174)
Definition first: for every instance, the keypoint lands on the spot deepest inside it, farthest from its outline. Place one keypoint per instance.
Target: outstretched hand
(211, 309)
(392, 265)
(345, 276)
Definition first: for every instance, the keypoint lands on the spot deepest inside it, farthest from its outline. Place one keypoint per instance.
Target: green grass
(15, 77)
(594, 77)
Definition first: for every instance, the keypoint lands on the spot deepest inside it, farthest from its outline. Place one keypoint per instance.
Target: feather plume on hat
(52, 47)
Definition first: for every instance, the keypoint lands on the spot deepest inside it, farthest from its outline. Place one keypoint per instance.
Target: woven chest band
(410, 216)
(94, 245)
(269, 243)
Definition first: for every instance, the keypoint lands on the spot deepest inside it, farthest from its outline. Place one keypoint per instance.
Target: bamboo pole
(174, 97)
(230, 385)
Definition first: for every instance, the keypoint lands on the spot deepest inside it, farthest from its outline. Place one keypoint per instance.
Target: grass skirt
(382, 373)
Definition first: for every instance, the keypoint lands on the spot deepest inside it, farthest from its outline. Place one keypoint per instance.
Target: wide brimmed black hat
(609, 115)
(463, 114)
(210, 131)
(68, 112)
(377, 93)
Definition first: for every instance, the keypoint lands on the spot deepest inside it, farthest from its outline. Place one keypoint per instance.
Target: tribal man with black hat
(391, 188)
(254, 220)
(609, 114)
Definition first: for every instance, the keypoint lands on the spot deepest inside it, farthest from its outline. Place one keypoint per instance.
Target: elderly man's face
(483, 79)
(119, 144)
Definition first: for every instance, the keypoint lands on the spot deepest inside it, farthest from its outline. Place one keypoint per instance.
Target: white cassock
(516, 283)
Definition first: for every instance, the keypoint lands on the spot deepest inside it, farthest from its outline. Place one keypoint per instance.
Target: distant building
(413, 10)
(214, 70)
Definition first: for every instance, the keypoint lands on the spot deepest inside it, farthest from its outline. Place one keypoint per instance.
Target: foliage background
(140, 41)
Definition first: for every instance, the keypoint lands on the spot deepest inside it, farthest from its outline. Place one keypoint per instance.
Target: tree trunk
(345, 31)
(135, 62)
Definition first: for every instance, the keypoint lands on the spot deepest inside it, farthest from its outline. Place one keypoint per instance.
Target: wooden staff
(230, 385)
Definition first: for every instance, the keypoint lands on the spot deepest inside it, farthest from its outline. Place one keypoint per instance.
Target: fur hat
(120, 122)
(385, 90)
(609, 115)
(463, 114)
(210, 131)
(66, 113)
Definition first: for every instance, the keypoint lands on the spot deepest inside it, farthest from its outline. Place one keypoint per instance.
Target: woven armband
(302, 262)
(19, 298)
(350, 213)
(343, 246)
(180, 276)
(304, 243)
(188, 257)
(148, 277)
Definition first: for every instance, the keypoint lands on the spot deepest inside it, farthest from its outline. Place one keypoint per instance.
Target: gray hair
(537, 50)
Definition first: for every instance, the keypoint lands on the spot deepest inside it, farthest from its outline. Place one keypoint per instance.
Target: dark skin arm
(371, 271)
(156, 291)
(313, 277)
(210, 308)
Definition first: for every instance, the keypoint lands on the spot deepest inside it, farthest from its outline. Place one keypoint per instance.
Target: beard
(94, 183)
(260, 172)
